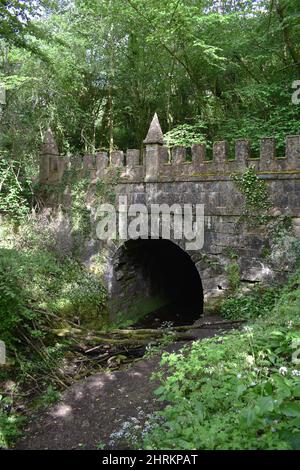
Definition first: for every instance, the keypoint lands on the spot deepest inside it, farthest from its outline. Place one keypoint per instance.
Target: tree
(17, 26)
(220, 68)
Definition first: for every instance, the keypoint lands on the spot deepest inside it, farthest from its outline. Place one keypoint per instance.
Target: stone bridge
(146, 274)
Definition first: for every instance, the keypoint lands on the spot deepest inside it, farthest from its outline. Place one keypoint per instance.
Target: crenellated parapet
(195, 175)
(160, 163)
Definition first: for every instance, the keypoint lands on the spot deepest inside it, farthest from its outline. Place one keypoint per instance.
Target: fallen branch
(142, 341)
(160, 332)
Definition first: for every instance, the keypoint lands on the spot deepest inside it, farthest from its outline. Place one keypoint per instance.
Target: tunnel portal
(157, 280)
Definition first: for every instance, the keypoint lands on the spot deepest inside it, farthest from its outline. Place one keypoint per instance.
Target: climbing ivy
(15, 193)
(257, 205)
(84, 195)
(255, 192)
(104, 189)
(80, 214)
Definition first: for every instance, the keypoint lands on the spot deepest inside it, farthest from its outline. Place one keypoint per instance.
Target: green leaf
(296, 391)
(265, 404)
(291, 409)
(293, 439)
(159, 390)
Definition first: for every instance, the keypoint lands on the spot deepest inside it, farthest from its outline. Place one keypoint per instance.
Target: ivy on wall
(78, 195)
(255, 192)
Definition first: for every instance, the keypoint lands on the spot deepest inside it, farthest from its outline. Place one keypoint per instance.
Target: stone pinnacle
(155, 135)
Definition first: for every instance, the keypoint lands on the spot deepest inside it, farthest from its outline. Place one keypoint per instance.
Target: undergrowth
(42, 296)
(240, 390)
(259, 302)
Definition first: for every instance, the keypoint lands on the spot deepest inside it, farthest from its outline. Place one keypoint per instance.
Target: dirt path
(95, 411)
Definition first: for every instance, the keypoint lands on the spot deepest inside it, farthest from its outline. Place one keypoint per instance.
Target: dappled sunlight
(62, 411)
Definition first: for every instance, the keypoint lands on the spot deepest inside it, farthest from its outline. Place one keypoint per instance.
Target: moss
(213, 305)
(142, 306)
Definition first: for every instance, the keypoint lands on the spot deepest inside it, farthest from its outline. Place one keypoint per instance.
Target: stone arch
(155, 278)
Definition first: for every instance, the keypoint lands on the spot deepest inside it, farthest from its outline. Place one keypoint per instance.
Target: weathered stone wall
(160, 175)
(158, 163)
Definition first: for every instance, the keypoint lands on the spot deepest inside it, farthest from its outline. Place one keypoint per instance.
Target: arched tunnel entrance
(155, 281)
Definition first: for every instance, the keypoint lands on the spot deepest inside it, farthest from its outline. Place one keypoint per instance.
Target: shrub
(36, 282)
(257, 303)
(9, 423)
(15, 193)
(233, 273)
(12, 308)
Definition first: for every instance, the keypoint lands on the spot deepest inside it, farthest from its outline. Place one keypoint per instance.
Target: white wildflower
(248, 329)
(250, 360)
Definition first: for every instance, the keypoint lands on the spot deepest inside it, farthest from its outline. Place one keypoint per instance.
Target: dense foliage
(97, 70)
(42, 290)
(237, 391)
(16, 192)
(34, 278)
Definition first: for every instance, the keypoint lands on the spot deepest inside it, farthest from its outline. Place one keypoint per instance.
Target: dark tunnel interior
(168, 271)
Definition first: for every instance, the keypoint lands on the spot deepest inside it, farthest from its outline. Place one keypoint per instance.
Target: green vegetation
(16, 192)
(232, 271)
(240, 390)
(255, 192)
(257, 303)
(95, 71)
(257, 213)
(43, 295)
(10, 423)
(167, 338)
(33, 282)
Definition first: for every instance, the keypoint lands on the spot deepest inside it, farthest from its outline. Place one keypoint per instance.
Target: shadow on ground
(91, 410)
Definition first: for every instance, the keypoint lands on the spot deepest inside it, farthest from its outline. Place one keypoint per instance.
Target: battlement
(160, 163)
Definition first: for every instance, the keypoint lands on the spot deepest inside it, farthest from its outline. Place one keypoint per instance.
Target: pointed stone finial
(49, 146)
(155, 135)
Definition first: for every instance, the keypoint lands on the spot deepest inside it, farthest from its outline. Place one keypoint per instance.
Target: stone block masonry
(159, 163)
(185, 175)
